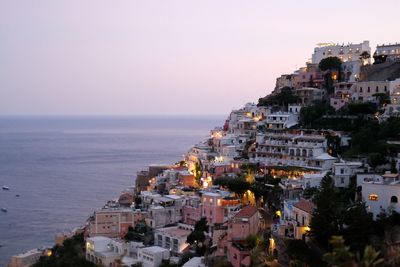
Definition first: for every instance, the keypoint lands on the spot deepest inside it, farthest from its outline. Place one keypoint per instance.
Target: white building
(197, 153)
(281, 120)
(165, 210)
(393, 109)
(104, 251)
(349, 52)
(293, 148)
(343, 170)
(173, 238)
(296, 218)
(152, 256)
(195, 262)
(382, 194)
(313, 179)
(389, 51)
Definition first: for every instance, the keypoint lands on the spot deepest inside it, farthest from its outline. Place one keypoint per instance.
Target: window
(373, 197)
(342, 180)
(369, 89)
(175, 244)
(393, 199)
(341, 171)
(377, 89)
(361, 90)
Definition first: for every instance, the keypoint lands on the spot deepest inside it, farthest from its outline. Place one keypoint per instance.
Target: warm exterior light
(373, 197)
(278, 213)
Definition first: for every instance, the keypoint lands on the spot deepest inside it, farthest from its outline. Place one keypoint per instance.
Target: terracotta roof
(304, 205)
(246, 212)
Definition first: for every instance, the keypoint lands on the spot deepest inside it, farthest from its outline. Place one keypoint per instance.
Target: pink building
(191, 212)
(309, 76)
(113, 222)
(233, 244)
(219, 169)
(212, 208)
(244, 223)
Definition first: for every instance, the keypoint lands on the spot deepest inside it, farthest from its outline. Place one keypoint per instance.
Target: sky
(168, 57)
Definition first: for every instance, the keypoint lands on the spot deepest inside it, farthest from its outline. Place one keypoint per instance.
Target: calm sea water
(65, 167)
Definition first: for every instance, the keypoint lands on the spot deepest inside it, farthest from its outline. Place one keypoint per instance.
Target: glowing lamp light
(278, 213)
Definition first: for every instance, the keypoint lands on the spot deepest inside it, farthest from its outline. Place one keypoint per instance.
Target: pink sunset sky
(167, 57)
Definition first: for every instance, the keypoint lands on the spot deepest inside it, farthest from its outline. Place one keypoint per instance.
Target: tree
(325, 220)
(197, 236)
(238, 185)
(70, 254)
(383, 98)
(362, 108)
(310, 115)
(393, 168)
(255, 244)
(197, 172)
(298, 252)
(331, 66)
(359, 227)
(364, 57)
(283, 98)
(342, 257)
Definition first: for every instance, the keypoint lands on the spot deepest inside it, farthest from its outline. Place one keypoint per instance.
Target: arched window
(393, 199)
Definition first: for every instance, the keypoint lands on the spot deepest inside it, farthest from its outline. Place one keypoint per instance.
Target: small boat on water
(3, 209)
(17, 195)
(5, 187)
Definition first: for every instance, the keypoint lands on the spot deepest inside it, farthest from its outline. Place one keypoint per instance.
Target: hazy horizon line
(112, 115)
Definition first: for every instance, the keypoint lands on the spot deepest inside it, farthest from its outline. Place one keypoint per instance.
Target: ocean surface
(65, 167)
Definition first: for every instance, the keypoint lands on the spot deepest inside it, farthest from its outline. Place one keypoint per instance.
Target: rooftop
(99, 238)
(304, 205)
(246, 212)
(154, 249)
(325, 156)
(175, 231)
(211, 194)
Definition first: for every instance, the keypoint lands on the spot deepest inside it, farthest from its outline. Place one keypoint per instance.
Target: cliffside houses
(298, 148)
(171, 199)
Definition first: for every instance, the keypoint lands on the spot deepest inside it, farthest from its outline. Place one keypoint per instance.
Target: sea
(64, 167)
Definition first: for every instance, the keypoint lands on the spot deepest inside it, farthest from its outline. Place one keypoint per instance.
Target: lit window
(373, 197)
